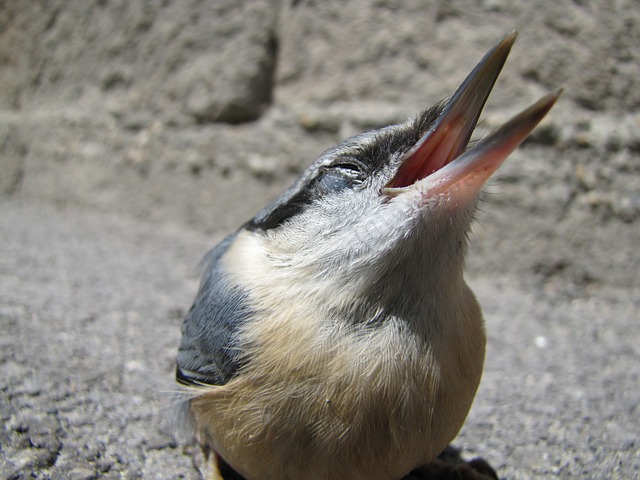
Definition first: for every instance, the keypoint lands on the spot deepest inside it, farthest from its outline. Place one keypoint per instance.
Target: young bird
(334, 336)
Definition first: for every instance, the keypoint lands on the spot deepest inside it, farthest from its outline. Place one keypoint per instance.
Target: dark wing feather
(209, 352)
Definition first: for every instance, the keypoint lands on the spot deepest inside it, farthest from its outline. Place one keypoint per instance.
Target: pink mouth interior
(436, 149)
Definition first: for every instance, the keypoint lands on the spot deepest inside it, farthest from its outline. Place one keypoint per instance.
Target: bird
(333, 335)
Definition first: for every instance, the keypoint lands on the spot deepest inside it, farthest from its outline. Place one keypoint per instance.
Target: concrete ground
(90, 311)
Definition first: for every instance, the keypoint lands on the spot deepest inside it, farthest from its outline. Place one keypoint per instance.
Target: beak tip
(556, 93)
(507, 41)
(512, 35)
(549, 101)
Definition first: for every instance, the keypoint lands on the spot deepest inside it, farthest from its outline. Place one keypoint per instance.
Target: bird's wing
(209, 353)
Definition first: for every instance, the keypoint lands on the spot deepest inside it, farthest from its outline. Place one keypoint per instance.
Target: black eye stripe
(330, 179)
(275, 217)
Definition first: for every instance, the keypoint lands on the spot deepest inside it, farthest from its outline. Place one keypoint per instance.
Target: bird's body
(333, 396)
(334, 336)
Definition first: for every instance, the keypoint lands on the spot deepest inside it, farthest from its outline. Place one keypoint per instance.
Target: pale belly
(391, 411)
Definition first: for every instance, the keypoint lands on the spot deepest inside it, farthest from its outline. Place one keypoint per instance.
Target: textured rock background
(132, 134)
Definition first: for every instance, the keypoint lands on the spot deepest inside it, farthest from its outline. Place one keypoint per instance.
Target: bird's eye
(349, 168)
(337, 177)
(333, 181)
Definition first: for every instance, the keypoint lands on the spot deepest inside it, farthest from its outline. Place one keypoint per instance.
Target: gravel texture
(91, 306)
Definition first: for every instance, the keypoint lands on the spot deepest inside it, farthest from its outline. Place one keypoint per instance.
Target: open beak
(438, 160)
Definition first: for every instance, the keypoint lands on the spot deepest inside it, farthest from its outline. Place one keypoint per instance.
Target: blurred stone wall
(199, 112)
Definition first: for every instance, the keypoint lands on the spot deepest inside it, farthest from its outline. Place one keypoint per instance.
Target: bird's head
(384, 216)
(389, 210)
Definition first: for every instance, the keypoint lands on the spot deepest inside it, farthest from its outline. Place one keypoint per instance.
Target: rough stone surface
(133, 134)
